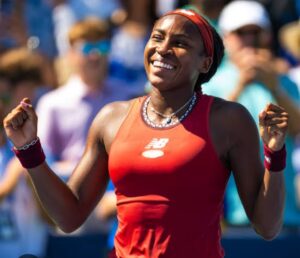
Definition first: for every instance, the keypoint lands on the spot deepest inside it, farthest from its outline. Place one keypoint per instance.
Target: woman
(168, 154)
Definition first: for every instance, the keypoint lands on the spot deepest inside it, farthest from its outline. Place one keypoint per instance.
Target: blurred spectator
(210, 8)
(280, 12)
(66, 113)
(13, 31)
(252, 76)
(38, 17)
(128, 42)
(25, 72)
(29, 23)
(6, 153)
(67, 12)
(22, 225)
(289, 37)
(163, 6)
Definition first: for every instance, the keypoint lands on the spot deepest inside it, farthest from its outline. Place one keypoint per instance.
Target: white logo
(157, 143)
(153, 149)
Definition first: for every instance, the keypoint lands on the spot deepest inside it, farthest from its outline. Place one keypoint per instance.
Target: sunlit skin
(174, 57)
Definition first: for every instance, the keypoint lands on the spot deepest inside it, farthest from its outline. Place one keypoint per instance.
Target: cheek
(148, 52)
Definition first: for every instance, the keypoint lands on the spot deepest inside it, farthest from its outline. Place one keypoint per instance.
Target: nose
(164, 48)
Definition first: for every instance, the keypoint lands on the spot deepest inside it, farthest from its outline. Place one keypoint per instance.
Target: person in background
(281, 12)
(28, 24)
(252, 76)
(289, 38)
(66, 113)
(211, 9)
(5, 152)
(23, 223)
(126, 60)
(13, 30)
(168, 204)
(67, 12)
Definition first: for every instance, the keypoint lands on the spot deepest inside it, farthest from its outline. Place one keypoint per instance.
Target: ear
(205, 64)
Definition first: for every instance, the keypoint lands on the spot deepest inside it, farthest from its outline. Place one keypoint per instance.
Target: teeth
(162, 65)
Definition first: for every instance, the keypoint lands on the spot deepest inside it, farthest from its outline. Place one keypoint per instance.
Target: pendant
(168, 120)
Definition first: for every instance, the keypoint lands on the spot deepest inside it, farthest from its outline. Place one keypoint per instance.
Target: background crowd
(71, 57)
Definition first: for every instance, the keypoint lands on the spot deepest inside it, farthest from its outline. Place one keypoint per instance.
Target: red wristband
(31, 155)
(275, 161)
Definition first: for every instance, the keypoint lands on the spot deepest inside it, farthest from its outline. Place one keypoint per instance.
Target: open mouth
(160, 64)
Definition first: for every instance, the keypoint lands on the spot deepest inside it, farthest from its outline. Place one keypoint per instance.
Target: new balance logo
(157, 143)
(154, 148)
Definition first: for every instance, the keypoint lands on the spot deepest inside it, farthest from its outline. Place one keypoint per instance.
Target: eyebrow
(178, 35)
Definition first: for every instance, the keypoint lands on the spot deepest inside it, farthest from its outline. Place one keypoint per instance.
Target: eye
(181, 44)
(157, 37)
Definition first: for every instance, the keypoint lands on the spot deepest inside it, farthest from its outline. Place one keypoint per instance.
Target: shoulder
(222, 107)
(231, 126)
(232, 117)
(109, 119)
(114, 110)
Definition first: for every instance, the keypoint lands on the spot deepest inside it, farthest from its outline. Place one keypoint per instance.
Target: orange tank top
(170, 186)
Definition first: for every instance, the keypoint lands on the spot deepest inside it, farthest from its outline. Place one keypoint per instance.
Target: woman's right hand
(21, 124)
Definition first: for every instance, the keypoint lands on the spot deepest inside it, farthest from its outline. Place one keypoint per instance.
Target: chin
(159, 82)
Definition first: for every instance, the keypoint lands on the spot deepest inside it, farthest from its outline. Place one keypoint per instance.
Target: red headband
(203, 26)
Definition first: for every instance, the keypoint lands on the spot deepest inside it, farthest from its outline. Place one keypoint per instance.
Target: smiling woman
(168, 154)
(195, 40)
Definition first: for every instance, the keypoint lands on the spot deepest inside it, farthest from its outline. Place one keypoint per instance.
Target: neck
(175, 112)
(160, 120)
(167, 102)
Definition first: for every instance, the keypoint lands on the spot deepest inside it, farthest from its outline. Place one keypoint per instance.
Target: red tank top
(170, 186)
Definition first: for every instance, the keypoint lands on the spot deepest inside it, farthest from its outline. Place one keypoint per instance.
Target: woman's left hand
(273, 125)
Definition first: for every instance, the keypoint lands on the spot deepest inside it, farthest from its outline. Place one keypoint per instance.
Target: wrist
(27, 145)
(274, 161)
(30, 155)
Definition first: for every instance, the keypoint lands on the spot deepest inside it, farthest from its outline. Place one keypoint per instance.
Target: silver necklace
(168, 122)
(168, 118)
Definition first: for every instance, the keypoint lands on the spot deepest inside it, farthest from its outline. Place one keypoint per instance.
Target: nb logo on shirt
(153, 149)
(157, 143)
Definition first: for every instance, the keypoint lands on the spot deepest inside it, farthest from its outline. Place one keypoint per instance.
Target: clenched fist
(273, 125)
(21, 124)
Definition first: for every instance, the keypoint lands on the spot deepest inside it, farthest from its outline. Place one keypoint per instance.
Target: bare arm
(67, 204)
(262, 192)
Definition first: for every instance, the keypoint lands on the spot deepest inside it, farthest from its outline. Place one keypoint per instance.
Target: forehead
(177, 24)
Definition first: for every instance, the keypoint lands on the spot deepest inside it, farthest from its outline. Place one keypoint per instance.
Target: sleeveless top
(170, 186)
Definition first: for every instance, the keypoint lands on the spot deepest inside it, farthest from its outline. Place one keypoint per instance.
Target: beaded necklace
(168, 122)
